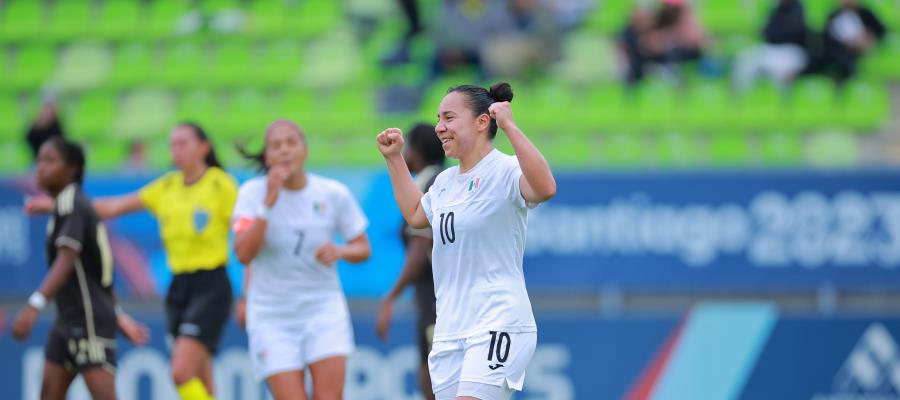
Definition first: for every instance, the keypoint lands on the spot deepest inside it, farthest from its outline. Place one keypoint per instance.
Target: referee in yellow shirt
(193, 206)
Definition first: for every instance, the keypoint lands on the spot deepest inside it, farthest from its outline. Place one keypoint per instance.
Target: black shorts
(198, 305)
(76, 351)
(425, 334)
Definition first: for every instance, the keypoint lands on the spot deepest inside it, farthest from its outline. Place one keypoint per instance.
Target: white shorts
(493, 358)
(284, 345)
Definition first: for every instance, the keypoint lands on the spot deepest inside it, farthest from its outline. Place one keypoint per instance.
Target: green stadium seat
(280, 64)
(762, 108)
(566, 151)
(710, 108)
(331, 61)
(92, 116)
(731, 16)
(355, 110)
(231, 65)
(145, 113)
(82, 66)
(168, 19)
(729, 150)
(658, 106)
(322, 151)
(120, 20)
(201, 107)
(609, 16)
(184, 66)
(884, 61)
(817, 12)
(625, 150)
(248, 113)
(587, 60)
(12, 124)
(15, 158)
(133, 65)
(297, 106)
(32, 67)
(813, 104)
(888, 11)
(266, 19)
(71, 20)
(159, 156)
(678, 149)
(779, 149)
(609, 109)
(106, 156)
(311, 18)
(865, 106)
(556, 110)
(22, 21)
(359, 151)
(832, 149)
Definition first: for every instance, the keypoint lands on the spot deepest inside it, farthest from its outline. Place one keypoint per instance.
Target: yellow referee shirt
(193, 220)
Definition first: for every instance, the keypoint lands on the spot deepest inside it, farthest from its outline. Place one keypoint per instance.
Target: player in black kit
(82, 339)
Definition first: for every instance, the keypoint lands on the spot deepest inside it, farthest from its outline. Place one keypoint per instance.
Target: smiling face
(458, 128)
(285, 146)
(187, 148)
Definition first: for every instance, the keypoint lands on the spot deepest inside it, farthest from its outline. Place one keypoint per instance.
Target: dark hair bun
(501, 92)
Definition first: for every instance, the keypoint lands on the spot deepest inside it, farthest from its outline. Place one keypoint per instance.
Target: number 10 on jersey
(448, 233)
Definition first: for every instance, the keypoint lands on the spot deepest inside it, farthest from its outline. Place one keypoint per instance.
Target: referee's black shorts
(198, 305)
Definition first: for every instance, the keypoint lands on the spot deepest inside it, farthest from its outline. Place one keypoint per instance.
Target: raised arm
(111, 207)
(250, 232)
(537, 183)
(408, 196)
(106, 207)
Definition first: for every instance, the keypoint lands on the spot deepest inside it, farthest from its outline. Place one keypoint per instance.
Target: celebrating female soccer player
(193, 206)
(82, 339)
(296, 313)
(485, 333)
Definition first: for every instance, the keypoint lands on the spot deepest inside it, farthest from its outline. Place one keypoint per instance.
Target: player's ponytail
(480, 99)
(210, 160)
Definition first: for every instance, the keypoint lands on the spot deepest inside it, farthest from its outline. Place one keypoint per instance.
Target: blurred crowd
(515, 37)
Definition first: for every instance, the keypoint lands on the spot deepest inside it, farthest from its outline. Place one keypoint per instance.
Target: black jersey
(85, 300)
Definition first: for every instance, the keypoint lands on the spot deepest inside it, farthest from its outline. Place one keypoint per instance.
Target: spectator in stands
(530, 39)
(47, 125)
(850, 32)
(669, 37)
(461, 29)
(783, 55)
(136, 164)
(410, 10)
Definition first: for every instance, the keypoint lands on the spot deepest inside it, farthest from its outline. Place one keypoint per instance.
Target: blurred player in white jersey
(296, 312)
(485, 334)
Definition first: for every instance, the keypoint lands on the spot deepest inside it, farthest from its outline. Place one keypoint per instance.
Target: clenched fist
(390, 142)
(502, 113)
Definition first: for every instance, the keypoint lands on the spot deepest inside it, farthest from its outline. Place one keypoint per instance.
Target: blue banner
(761, 231)
(766, 230)
(715, 351)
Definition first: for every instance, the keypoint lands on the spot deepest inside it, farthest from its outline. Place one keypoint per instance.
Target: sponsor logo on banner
(872, 369)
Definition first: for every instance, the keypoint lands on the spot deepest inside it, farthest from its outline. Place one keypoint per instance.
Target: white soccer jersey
(478, 219)
(287, 280)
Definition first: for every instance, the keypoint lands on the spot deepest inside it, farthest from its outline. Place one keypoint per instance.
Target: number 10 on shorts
(500, 343)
